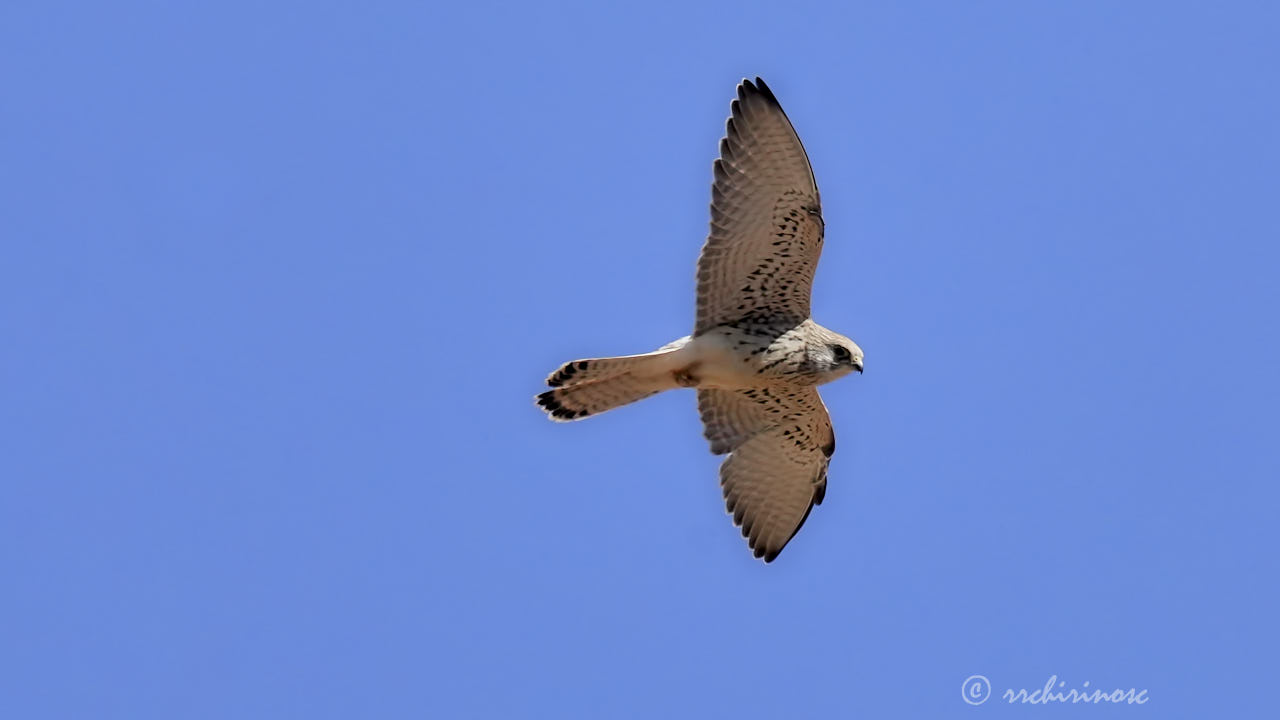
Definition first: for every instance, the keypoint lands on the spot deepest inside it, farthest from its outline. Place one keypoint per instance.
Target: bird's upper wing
(766, 218)
(779, 443)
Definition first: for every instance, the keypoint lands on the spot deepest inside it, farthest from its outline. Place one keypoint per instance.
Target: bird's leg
(684, 377)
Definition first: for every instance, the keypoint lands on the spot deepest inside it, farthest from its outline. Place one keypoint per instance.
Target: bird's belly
(713, 376)
(715, 361)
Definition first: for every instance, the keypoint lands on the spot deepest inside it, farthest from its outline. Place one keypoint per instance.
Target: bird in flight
(755, 356)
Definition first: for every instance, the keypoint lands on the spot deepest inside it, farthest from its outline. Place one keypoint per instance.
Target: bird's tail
(590, 387)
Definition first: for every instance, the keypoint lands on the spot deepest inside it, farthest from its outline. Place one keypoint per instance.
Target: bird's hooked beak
(857, 364)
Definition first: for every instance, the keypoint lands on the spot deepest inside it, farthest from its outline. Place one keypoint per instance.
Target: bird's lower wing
(779, 443)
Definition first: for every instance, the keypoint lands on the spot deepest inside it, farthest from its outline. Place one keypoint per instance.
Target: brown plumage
(755, 356)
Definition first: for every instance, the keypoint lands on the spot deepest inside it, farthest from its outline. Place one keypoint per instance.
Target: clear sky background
(279, 281)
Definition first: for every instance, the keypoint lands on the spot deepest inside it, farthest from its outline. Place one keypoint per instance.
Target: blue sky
(279, 282)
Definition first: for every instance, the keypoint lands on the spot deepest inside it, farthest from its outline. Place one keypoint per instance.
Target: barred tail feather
(590, 387)
(592, 398)
(583, 371)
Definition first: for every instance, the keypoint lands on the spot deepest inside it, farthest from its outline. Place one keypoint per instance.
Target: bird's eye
(840, 353)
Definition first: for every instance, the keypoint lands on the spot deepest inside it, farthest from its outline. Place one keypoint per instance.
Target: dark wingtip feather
(747, 88)
(766, 92)
(735, 113)
(818, 494)
(817, 498)
(718, 171)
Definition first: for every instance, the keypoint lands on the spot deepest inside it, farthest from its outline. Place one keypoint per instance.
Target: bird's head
(835, 356)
